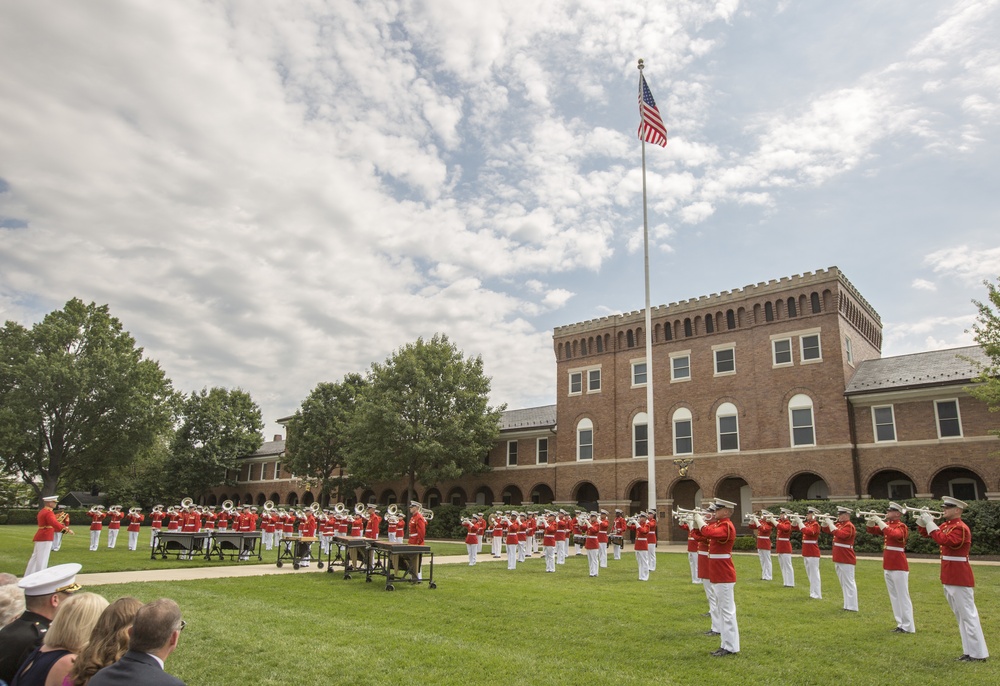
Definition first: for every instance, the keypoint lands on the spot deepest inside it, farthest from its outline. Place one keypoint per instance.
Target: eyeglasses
(181, 627)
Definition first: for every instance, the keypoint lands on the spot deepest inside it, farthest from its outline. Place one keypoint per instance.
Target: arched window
(727, 427)
(791, 308)
(683, 438)
(630, 338)
(709, 324)
(730, 320)
(800, 420)
(585, 440)
(687, 328)
(583, 346)
(667, 333)
(768, 312)
(814, 302)
(640, 435)
(600, 344)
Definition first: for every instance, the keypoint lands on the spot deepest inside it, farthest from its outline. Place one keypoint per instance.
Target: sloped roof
(270, 448)
(528, 418)
(934, 368)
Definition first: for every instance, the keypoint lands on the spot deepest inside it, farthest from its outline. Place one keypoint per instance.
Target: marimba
(179, 543)
(344, 545)
(235, 544)
(387, 558)
(302, 549)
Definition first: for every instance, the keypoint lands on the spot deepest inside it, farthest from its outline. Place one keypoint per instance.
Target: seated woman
(108, 642)
(66, 637)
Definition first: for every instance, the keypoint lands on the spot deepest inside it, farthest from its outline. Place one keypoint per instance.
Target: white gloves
(880, 523)
(831, 526)
(772, 521)
(796, 520)
(699, 521)
(927, 521)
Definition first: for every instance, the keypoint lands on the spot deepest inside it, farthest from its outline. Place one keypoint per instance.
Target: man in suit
(152, 638)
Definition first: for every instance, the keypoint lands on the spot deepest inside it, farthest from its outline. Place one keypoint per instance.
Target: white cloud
(923, 285)
(969, 265)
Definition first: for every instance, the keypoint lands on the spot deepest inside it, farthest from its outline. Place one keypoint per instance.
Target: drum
(617, 540)
(579, 539)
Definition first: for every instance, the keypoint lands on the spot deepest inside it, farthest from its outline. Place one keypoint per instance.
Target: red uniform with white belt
(651, 542)
(692, 550)
(512, 529)
(135, 519)
(844, 561)
(371, 530)
(896, 571)
(810, 556)
(702, 571)
(471, 540)
(96, 519)
(721, 535)
(549, 545)
(593, 546)
(763, 535)
(48, 525)
(641, 547)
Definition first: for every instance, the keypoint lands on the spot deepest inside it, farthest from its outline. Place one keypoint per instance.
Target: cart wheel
(319, 565)
(390, 587)
(432, 585)
(346, 576)
(280, 564)
(295, 565)
(368, 580)
(329, 570)
(163, 557)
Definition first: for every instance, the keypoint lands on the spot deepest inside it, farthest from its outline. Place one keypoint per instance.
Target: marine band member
(810, 549)
(844, 560)
(721, 535)
(895, 567)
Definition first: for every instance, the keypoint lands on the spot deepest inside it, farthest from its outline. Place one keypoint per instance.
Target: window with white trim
(800, 420)
(575, 383)
(725, 359)
(781, 350)
(809, 348)
(511, 453)
(638, 373)
(949, 421)
(900, 489)
(683, 438)
(640, 435)
(542, 451)
(884, 424)
(727, 427)
(680, 366)
(963, 489)
(585, 440)
(593, 380)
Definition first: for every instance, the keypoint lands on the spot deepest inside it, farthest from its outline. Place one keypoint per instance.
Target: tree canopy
(424, 416)
(77, 397)
(318, 435)
(987, 335)
(217, 426)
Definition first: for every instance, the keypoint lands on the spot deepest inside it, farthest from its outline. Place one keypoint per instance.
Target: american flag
(651, 127)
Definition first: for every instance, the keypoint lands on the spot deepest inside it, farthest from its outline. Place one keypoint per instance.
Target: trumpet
(134, 510)
(115, 508)
(681, 513)
(923, 511)
(97, 508)
(868, 515)
(157, 508)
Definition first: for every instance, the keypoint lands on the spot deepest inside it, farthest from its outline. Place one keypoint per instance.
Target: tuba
(315, 508)
(393, 511)
(340, 509)
(427, 513)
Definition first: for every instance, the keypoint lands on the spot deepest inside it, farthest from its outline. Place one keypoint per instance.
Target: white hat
(728, 504)
(414, 503)
(813, 510)
(58, 579)
(895, 506)
(948, 501)
(50, 497)
(843, 510)
(604, 511)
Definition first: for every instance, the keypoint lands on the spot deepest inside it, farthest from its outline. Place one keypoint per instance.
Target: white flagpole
(650, 435)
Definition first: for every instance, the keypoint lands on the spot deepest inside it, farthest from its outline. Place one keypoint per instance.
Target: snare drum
(618, 540)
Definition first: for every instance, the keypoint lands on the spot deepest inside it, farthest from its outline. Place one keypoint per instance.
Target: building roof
(528, 418)
(955, 366)
(81, 498)
(269, 448)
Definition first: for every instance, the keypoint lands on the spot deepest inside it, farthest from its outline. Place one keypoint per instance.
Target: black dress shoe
(899, 630)
(722, 652)
(712, 633)
(706, 614)
(968, 658)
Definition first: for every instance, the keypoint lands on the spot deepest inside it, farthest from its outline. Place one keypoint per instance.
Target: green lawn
(488, 625)
(16, 546)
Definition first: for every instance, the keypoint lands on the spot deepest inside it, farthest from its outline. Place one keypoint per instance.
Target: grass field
(16, 546)
(485, 624)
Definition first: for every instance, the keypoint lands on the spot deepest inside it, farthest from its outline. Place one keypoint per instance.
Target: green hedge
(30, 516)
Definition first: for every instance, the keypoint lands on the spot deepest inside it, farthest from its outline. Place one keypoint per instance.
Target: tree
(217, 426)
(424, 415)
(318, 435)
(987, 335)
(77, 398)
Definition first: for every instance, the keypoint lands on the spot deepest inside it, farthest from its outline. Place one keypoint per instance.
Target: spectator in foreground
(153, 637)
(108, 642)
(11, 603)
(64, 640)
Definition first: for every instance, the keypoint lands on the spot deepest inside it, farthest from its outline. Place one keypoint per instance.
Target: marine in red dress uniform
(810, 549)
(721, 535)
(844, 560)
(135, 519)
(96, 524)
(549, 542)
(115, 525)
(48, 525)
(895, 567)
(762, 530)
(592, 545)
(783, 547)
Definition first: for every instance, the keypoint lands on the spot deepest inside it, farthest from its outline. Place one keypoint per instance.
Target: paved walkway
(266, 569)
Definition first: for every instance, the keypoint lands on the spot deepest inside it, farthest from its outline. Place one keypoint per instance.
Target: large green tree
(77, 398)
(318, 435)
(987, 335)
(217, 426)
(424, 415)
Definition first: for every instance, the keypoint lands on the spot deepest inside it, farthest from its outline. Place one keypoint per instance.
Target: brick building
(765, 394)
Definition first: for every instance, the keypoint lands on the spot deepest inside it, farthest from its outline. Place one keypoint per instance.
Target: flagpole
(650, 433)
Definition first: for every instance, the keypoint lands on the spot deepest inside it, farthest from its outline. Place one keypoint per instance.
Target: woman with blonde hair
(67, 636)
(108, 642)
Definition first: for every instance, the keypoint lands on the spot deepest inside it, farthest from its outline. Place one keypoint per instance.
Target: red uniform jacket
(763, 534)
(641, 532)
(692, 541)
(894, 549)
(358, 526)
(134, 520)
(116, 520)
(721, 535)
(156, 520)
(591, 543)
(400, 528)
(418, 529)
(48, 525)
(843, 543)
(470, 533)
(562, 528)
(371, 531)
(549, 538)
(620, 526)
(174, 522)
(512, 530)
(810, 539)
(783, 544)
(95, 520)
(651, 536)
(604, 526)
(955, 540)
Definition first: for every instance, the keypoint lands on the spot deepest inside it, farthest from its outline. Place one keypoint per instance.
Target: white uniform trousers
(812, 572)
(532, 545)
(643, 560)
(576, 549)
(602, 554)
(561, 549)
(522, 551)
(39, 559)
(787, 570)
(268, 540)
(897, 582)
(549, 553)
(512, 557)
(473, 548)
(152, 537)
(133, 540)
(845, 573)
(617, 551)
(765, 564)
(495, 546)
(963, 603)
(693, 564)
(112, 537)
(652, 557)
(479, 541)
(95, 539)
(726, 602)
(593, 561)
(713, 606)
(57, 541)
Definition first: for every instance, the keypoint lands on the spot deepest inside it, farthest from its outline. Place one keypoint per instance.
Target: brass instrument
(157, 508)
(134, 510)
(269, 507)
(681, 513)
(340, 509)
(315, 508)
(428, 514)
(935, 515)
(868, 515)
(393, 511)
(186, 503)
(227, 505)
(115, 508)
(360, 509)
(96, 508)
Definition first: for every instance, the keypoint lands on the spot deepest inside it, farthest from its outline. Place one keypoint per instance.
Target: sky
(272, 195)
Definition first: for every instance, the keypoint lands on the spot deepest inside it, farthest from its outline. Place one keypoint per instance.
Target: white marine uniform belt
(950, 558)
(812, 542)
(895, 549)
(719, 556)
(843, 545)
(783, 539)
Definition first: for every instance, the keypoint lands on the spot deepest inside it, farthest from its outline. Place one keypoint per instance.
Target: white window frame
(590, 380)
(802, 347)
(724, 412)
(640, 419)
(801, 402)
(584, 425)
(636, 362)
(577, 373)
(676, 356)
(900, 482)
(963, 481)
(716, 349)
(682, 414)
(849, 350)
(538, 450)
(509, 445)
(774, 352)
(958, 417)
(875, 424)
